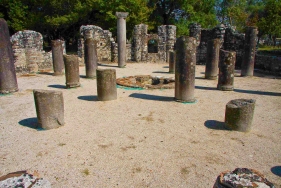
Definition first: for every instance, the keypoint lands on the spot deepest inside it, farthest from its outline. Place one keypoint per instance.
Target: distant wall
(268, 63)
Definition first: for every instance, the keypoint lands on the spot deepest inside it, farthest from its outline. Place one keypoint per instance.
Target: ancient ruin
(57, 55)
(185, 69)
(91, 57)
(8, 79)
(121, 38)
(106, 84)
(72, 76)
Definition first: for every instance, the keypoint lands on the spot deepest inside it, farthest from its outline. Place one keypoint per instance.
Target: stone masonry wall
(268, 63)
(103, 38)
(28, 51)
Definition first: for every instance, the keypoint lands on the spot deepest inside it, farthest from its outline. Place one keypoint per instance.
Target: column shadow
(106, 65)
(205, 88)
(88, 98)
(216, 125)
(162, 72)
(31, 123)
(58, 86)
(276, 170)
(151, 97)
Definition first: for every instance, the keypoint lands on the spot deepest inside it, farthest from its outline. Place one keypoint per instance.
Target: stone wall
(28, 51)
(103, 38)
(268, 63)
(165, 40)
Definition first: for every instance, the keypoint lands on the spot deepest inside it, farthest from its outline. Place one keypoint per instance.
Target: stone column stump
(247, 67)
(172, 61)
(91, 57)
(212, 60)
(57, 55)
(239, 114)
(49, 108)
(185, 69)
(71, 71)
(226, 70)
(8, 78)
(121, 38)
(106, 84)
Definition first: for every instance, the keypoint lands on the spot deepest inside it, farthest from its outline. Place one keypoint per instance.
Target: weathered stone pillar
(91, 57)
(185, 69)
(121, 38)
(8, 79)
(247, 67)
(226, 70)
(49, 108)
(106, 84)
(71, 71)
(239, 114)
(172, 61)
(57, 55)
(212, 60)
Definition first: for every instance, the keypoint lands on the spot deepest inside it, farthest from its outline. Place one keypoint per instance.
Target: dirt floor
(144, 138)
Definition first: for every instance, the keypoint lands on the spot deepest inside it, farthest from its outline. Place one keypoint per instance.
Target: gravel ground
(144, 138)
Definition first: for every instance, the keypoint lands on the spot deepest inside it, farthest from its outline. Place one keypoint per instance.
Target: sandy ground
(144, 138)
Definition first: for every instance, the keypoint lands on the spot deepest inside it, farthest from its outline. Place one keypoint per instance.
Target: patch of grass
(86, 171)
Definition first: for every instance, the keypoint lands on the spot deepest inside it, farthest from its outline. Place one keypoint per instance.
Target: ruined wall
(167, 40)
(103, 38)
(268, 63)
(28, 51)
(139, 43)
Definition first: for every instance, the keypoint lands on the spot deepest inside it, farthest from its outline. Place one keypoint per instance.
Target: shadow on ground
(151, 97)
(88, 98)
(243, 91)
(46, 73)
(162, 72)
(276, 170)
(105, 65)
(217, 125)
(58, 86)
(31, 123)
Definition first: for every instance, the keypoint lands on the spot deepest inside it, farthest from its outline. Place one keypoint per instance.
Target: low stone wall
(268, 63)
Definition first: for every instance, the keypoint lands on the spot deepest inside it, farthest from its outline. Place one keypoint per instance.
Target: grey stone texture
(185, 69)
(247, 68)
(172, 61)
(239, 114)
(91, 58)
(49, 108)
(121, 37)
(106, 84)
(8, 79)
(226, 70)
(212, 60)
(57, 55)
(72, 76)
(104, 42)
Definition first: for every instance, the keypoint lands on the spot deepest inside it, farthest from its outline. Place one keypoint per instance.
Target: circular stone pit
(147, 82)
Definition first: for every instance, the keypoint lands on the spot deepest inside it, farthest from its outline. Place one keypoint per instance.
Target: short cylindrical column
(91, 57)
(71, 71)
(212, 60)
(121, 38)
(8, 79)
(172, 61)
(226, 70)
(106, 84)
(57, 55)
(185, 69)
(49, 108)
(247, 67)
(239, 114)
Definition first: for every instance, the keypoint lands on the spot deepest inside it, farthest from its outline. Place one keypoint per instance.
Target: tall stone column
(106, 84)
(121, 38)
(226, 70)
(57, 55)
(91, 57)
(247, 67)
(212, 60)
(8, 79)
(172, 61)
(185, 69)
